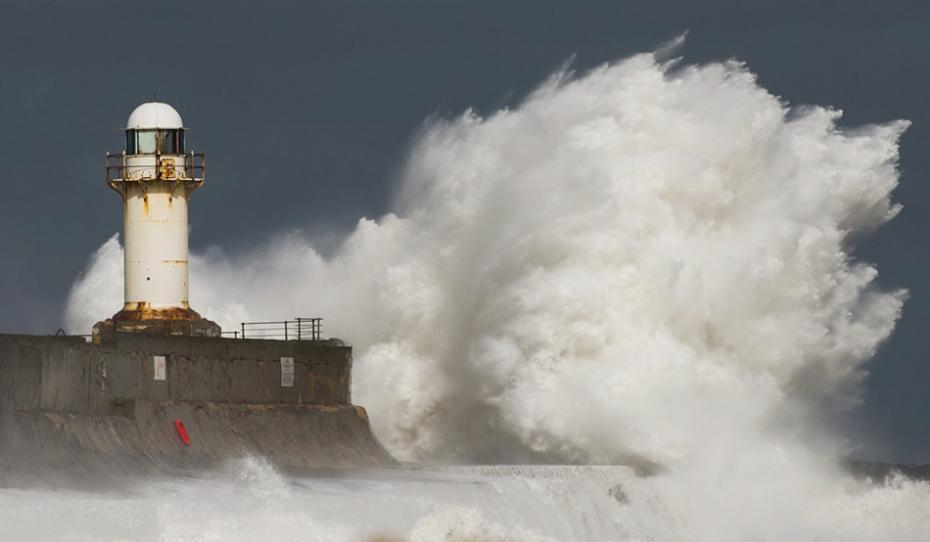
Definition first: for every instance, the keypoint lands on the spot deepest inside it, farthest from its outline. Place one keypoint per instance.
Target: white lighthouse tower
(155, 175)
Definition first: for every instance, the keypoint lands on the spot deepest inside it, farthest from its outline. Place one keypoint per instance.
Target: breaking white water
(250, 501)
(649, 264)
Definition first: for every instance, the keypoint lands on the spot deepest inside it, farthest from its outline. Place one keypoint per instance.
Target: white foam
(646, 264)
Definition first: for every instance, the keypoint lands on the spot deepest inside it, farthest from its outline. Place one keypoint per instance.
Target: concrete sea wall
(67, 402)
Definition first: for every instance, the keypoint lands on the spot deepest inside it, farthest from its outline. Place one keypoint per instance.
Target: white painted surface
(161, 368)
(287, 372)
(142, 166)
(156, 253)
(154, 115)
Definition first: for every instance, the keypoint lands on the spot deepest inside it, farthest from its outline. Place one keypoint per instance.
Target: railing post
(285, 330)
(243, 330)
(298, 329)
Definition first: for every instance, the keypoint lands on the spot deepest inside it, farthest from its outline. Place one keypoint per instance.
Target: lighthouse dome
(152, 115)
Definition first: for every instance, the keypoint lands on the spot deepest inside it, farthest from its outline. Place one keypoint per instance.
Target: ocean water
(250, 500)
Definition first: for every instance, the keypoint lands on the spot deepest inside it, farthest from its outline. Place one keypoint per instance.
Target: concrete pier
(67, 402)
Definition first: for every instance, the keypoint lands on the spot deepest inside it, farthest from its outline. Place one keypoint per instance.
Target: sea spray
(638, 244)
(647, 264)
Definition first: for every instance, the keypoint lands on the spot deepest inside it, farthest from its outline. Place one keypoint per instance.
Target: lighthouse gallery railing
(165, 167)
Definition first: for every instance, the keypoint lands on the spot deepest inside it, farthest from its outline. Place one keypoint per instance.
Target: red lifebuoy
(182, 432)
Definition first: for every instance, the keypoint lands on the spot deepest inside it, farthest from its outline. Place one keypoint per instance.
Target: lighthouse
(159, 387)
(155, 176)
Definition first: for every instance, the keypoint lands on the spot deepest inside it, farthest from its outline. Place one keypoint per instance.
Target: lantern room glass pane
(130, 142)
(171, 141)
(148, 141)
(167, 142)
(145, 142)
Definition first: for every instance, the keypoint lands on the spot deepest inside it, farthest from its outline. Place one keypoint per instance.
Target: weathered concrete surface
(70, 403)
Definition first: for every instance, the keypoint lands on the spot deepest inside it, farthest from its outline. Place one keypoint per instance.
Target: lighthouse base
(103, 332)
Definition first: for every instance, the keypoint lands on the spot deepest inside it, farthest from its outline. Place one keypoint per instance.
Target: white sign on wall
(287, 372)
(161, 370)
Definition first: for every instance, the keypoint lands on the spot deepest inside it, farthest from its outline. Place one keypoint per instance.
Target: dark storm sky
(306, 110)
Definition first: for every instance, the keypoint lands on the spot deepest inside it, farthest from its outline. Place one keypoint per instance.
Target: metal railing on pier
(299, 329)
(62, 333)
